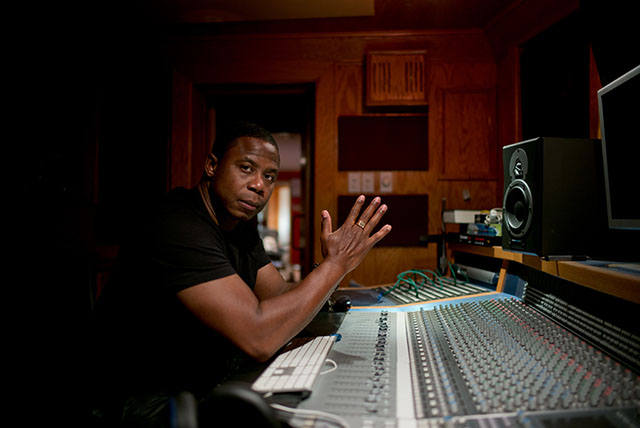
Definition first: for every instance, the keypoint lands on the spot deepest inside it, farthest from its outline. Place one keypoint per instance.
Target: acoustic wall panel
(387, 143)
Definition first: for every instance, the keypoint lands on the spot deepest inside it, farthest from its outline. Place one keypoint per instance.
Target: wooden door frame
(324, 133)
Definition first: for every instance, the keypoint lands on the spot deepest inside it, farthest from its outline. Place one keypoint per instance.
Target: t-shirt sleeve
(192, 252)
(190, 255)
(260, 255)
(179, 246)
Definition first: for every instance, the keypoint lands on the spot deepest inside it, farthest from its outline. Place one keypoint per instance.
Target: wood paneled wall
(450, 168)
(472, 111)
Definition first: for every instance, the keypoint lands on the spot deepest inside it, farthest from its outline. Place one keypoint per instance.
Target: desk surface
(603, 276)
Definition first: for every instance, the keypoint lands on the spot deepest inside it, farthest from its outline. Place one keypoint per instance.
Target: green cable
(410, 277)
(416, 278)
(453, 268)
(453, 273)
(435, 275)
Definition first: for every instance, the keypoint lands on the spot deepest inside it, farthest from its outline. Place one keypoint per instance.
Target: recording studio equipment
(440, 288)
(338, 302)
(415, 286)
(476, 363)
(540, 352)
(297, 367)
(442, 244)
(341, 304)
(554, 202)
(619, 112)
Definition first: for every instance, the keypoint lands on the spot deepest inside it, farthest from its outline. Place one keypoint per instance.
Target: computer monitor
(619, 108)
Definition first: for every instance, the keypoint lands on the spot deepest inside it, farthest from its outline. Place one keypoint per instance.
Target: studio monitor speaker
(553, 204)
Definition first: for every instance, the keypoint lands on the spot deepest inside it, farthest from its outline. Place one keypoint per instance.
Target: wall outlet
(355, 179)
(368, 182)
(386, 182)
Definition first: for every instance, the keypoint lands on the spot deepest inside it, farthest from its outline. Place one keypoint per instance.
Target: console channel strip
(493, 362)
(443, 288)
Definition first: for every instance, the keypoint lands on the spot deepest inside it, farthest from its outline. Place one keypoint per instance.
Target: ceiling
(257, 10)
(257, 16)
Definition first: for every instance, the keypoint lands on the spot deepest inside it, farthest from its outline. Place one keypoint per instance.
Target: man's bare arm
(270, 283)
(263, 322)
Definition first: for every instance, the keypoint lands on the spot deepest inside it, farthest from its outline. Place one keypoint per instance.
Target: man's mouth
(249, 205)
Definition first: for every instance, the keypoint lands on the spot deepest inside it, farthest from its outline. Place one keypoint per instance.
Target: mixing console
(442, 288)
(477, 362)
(616, 341)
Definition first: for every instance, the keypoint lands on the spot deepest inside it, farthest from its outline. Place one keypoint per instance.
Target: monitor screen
(619, 108)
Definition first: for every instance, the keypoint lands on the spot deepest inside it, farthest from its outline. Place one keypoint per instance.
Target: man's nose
(256, 184)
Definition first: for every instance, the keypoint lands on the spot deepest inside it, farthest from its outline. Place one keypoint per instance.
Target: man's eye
(245, 168)
(270, 178)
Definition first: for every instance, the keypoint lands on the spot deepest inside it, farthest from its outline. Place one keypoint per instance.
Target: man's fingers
(355, 210)
(373, 220)
(351, 242)
(384, 230)
(376, 237)
(326, 227)
(370, 210)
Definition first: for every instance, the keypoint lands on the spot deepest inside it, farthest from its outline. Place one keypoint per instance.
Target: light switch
(355, 185)
(368, 182)
(386, 182)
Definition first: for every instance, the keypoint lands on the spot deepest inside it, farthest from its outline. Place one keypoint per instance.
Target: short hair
(229, 133)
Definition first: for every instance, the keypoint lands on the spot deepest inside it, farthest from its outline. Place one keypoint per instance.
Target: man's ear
(210, 165)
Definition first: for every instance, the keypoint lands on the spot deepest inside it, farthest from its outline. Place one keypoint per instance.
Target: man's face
(244, 179)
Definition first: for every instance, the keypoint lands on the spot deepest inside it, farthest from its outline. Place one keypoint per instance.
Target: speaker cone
(517, 208)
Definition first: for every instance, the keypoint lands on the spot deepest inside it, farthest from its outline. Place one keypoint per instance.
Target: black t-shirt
(152, 342)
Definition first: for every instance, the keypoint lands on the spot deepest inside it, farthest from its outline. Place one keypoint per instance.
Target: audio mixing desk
(556, 354)
(481, 362)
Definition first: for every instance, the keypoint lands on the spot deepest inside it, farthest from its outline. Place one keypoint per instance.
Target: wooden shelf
(604, 279)
(607, 280)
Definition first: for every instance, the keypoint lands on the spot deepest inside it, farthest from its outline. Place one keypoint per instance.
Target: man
(195, 293)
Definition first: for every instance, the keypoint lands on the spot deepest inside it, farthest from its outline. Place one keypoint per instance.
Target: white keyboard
(297, 367)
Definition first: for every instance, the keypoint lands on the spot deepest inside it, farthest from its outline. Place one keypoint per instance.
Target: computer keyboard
(297, 367)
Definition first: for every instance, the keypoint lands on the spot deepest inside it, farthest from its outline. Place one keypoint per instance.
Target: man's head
(229, 134)
(242, 169)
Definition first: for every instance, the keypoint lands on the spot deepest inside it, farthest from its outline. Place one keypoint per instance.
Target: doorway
(287, 111)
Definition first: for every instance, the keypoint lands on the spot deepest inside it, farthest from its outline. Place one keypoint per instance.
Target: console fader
(488, 362)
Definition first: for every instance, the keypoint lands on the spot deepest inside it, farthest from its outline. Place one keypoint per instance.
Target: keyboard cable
(333, 363)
